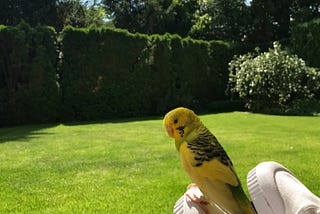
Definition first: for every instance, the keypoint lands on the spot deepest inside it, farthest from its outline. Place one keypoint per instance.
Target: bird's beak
(169, 131)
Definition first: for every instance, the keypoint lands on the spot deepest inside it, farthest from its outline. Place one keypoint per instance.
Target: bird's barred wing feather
(206, 147)
(209, 154)
(219, 181)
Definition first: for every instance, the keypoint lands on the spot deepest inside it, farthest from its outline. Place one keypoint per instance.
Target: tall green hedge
(28, 86)
(102, 73)
(107, 73)
(305, 42)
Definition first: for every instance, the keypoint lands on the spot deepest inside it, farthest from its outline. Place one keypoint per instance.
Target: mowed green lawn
(133, 167)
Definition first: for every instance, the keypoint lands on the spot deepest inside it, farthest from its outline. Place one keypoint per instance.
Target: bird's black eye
(175, 121)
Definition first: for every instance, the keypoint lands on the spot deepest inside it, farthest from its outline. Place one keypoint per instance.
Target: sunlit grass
(133, 167)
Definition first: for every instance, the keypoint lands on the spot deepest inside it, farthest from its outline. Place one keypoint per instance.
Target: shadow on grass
(115, 120)
(23, 133)
(27, 132)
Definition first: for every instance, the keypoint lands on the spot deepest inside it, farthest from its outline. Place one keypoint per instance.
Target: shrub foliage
(273, 80)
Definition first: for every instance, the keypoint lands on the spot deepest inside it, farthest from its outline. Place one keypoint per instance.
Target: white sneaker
(275, 190)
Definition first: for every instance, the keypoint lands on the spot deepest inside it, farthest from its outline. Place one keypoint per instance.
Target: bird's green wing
(218, 179)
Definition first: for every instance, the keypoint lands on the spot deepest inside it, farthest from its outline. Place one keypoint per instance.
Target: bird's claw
(197, 199)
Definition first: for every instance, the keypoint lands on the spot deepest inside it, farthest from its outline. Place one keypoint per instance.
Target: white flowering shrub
(273, 79)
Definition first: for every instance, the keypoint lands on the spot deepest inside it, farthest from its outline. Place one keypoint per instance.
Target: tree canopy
(56, 13)
(33, 12)
(222, 20)
(261, 21)
(152, 16)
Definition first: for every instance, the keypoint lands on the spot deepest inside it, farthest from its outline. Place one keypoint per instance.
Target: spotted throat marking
(181, 130)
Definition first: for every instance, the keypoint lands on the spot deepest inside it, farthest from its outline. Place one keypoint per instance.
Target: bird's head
(180, 122)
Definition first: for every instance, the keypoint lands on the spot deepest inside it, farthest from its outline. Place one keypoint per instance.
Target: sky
(90, 2)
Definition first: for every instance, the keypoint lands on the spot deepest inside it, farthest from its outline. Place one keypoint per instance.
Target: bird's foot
(195, 195)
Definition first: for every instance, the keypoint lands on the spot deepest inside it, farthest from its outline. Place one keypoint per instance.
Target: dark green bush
(28, 86)
(305, 42)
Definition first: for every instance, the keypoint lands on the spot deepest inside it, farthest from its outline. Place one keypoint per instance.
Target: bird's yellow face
(179, 122)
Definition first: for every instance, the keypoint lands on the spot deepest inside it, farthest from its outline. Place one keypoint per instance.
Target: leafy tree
(57, 13)
(180, 16)
(135, 15)
(213, 19)
(70, 12)
(305, 41)
(32, 11)
(271, 20)
(263, 21)
(152, 16)
(96, 15)
(222, 20)
(304, 11)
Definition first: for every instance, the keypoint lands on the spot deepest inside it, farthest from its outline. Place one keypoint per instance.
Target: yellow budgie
(206, 163)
